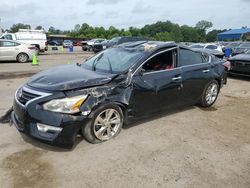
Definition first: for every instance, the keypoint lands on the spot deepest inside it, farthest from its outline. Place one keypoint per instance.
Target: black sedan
(115, 87)
(240, 64)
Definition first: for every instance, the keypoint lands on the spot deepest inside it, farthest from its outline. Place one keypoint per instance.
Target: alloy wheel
(106, 124)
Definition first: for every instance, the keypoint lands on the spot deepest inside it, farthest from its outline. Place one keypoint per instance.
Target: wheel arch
(22, 53)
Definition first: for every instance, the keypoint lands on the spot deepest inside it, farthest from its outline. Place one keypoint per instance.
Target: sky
(64, 14)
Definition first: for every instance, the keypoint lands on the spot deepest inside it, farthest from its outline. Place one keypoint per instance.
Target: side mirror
(129, 77)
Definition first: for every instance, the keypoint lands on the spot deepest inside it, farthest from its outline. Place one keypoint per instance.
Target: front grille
(26, 96)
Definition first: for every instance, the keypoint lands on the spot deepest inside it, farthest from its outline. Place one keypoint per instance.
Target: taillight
(227, 65)
(46, 43)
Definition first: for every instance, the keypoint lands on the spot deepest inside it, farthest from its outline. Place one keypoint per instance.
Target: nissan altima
(113, 88)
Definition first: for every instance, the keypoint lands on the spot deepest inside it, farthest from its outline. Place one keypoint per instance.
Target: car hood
(240, 57)
(68, 77)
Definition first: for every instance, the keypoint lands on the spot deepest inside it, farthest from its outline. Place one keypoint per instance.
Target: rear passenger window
(8, 44)
(188, 57)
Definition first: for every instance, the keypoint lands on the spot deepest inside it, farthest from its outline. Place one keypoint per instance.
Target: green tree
(15, 27)
(163, 36)
(204, 25)
(39, 27)
(212, 35)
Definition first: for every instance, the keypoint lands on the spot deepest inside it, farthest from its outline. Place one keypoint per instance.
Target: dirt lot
(192, 147)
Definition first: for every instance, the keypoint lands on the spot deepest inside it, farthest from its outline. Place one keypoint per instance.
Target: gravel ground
(191, 147)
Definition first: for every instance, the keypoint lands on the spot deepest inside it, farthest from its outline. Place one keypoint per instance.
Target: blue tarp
(233, 34)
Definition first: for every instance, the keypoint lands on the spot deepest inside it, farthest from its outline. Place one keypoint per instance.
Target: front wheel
(210, 94)
(105, 124)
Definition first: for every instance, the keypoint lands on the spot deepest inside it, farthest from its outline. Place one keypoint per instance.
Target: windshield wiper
(95, 62)
(110, 66)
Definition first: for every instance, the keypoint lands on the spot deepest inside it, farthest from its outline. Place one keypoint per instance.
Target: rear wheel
(22, 58)
(106, 123)
(210, 94)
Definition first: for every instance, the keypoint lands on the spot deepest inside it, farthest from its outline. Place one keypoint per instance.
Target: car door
(196, 73)
(8, 50)
(156, 89)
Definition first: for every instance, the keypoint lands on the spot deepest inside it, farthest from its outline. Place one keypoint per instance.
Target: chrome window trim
(159, 71)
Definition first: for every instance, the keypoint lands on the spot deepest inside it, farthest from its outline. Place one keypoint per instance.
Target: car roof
(151, 46)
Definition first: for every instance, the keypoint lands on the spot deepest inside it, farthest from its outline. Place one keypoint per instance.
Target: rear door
(196, 73)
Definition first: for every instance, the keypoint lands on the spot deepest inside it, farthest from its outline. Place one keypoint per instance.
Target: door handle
(176, 78)
(206, 70)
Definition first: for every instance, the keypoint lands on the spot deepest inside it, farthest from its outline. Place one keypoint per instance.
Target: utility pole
(0, 28)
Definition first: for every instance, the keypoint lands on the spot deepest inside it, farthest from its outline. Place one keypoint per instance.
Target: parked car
(67, 43)
(16, 51)
(197, 45)
(242, 48)
(84, 45)
(92, 42)
(231, 45)
(29, 36)
(115, 87)
(53, 43)
(216, 53)
(97, 47)
(209, 46)
(116, 41)
(212, 46)
(240, 64)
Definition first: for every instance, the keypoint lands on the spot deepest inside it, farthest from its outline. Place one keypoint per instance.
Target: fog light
(46, 128)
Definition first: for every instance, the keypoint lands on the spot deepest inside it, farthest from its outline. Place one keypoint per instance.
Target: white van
(34, 37)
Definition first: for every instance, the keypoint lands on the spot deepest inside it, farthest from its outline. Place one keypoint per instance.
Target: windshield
(247, 52)
(113, 60)
(245, 45)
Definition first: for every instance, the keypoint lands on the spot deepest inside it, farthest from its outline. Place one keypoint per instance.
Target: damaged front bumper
(50, 127)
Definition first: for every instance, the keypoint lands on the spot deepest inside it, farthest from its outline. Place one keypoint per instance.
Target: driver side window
(163, 61)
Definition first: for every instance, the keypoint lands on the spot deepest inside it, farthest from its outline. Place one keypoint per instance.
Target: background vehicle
(213, 47)
(84, 45)
(35, 37)
(231, 45)
(209, 46)
(242, 48)
(240, 64)
(117, 86)
(53, 43)
(16, 51)
(67, 43)
(92, 42)
(116, 41)
(97, 47)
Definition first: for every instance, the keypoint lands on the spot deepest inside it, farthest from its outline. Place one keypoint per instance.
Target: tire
(22, 58)
(210, 94)
(99, 129)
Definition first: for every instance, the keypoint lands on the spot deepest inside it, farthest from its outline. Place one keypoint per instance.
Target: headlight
(66, 105)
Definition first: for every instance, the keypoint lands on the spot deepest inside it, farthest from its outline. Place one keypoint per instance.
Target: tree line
(161, 30)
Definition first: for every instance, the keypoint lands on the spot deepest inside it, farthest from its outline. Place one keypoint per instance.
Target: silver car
(16, 51)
